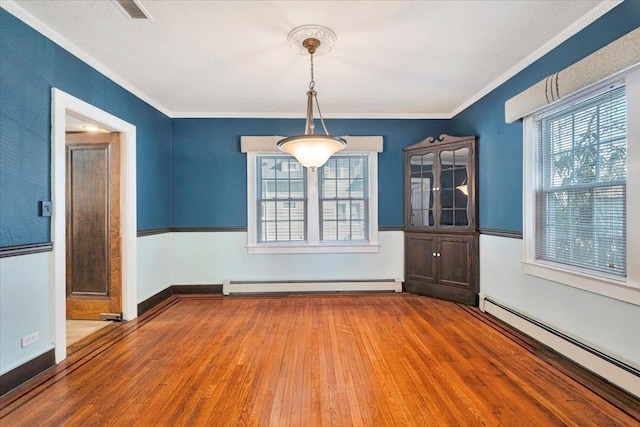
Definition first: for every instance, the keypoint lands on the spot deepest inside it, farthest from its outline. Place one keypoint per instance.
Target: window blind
(581, 184)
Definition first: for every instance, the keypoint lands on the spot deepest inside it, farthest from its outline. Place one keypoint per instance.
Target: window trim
(624, 289)
(255, 146)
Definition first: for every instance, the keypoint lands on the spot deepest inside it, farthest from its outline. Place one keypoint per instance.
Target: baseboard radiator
(259, 287)
(615, 371)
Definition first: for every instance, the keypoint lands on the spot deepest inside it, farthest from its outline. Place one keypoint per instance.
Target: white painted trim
(312, 245)
(20, 13)
(623, 289)
(568, 32)
(33, 22)
(61, 103)
(300, 115)
(321, 248)
(598, 365)
(229, 287)
(268, 144)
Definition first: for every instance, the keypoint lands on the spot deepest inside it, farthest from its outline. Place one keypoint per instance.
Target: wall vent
(132, 9)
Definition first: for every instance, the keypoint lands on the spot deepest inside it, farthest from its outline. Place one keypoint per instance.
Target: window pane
(329, 210)
(344, 198)
(358, 209)
(297, 231)
(282, 189)
(356, 188)
(268, 166)
(329, 230)
(581, 200)
(268, 210)
(357, 230)
(296, 210)
(282, 199)
(329, 189)
(283, 229)
(344, 230)
(268, 189)
(343, 189)
(343, 209)
(297, 188)
(342, 167)
(357, 167)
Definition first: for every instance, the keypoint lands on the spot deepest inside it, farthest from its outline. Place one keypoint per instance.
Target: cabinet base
(461, 296)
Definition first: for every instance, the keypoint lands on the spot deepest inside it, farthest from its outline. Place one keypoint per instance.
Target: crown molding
(586, 19)
(64, 43)
(300, 115)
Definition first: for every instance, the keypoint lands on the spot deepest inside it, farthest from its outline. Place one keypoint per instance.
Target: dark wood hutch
(440, 217)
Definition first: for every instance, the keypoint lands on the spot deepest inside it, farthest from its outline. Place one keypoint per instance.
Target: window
(292, 209)
(281, 200)
(581, 184)
(344, 198)
(581, 155)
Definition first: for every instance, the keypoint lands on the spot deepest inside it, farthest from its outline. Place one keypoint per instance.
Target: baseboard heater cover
(240, 287)
(615, 371)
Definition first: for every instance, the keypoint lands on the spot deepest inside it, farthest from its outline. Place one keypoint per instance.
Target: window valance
(267, 144)
(614, 58)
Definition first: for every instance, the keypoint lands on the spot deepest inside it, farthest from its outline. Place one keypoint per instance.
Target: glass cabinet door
(454, 181)
(421, 190)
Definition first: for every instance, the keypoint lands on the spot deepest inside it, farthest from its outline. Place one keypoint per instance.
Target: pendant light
(312, 150)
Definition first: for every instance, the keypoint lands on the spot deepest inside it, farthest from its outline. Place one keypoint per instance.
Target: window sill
(305, 248)
(622, 289)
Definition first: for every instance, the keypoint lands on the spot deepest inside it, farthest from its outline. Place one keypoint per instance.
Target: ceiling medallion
(299, 34)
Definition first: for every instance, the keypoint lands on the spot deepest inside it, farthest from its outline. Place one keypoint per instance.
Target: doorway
(94, 281)
(63, 107)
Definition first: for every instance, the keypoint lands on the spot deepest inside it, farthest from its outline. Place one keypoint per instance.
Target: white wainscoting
(154, 264)
(605, 324)
(212, 258)
(24, 308)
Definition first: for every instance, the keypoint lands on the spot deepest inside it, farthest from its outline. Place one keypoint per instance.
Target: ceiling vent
(132, 9)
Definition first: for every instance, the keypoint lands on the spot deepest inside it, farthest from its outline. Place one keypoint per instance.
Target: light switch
(45, 208)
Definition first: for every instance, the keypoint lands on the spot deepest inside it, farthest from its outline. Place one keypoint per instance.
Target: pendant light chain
(312, 83)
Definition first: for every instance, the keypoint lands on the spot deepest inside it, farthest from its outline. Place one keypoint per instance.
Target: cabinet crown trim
(442, 139)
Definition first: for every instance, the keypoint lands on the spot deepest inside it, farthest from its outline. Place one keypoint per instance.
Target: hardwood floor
(306, 360)
(79, 329)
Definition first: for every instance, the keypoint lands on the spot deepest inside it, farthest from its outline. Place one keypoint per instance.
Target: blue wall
(209, 173)
(30, 64)
(191, 172)
(500, 146)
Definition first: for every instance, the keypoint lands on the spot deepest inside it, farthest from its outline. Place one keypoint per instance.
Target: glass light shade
(312, 151)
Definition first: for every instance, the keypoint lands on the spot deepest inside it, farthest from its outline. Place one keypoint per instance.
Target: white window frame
(256, 146)
(624, 289)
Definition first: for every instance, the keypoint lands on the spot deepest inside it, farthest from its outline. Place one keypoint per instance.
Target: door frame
(63, 104)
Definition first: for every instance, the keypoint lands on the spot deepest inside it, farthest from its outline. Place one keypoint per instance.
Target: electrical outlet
(30, 339)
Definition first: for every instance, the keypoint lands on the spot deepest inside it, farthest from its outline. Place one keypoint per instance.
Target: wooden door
(94, 279)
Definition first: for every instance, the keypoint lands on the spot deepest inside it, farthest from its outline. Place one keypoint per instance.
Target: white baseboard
(615, 371)
(230, 287)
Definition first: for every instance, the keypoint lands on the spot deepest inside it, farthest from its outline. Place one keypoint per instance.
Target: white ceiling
(231, 58)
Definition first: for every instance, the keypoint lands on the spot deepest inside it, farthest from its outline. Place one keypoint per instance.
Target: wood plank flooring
(79, 329)
(306, 360)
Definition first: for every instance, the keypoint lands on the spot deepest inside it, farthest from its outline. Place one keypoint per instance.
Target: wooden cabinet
(441, 241)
